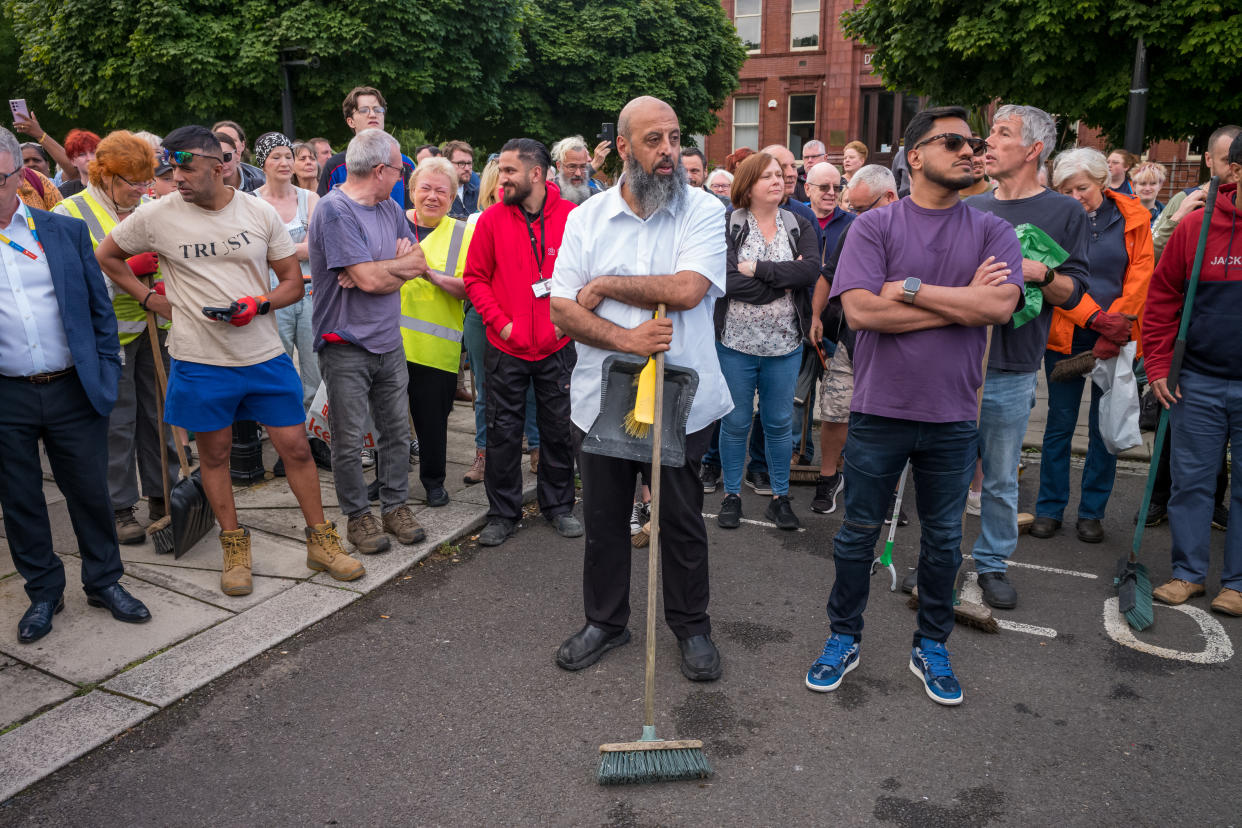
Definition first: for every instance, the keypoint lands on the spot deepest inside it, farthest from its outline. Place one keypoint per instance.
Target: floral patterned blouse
(763, 330)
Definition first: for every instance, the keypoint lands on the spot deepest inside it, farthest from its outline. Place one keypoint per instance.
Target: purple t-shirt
(930, 376)
(342, 233)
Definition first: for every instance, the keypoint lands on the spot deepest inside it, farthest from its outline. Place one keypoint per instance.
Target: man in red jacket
(1205, 409)
(508, 271)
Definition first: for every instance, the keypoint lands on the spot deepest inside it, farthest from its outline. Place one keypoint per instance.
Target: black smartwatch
(1052, 274)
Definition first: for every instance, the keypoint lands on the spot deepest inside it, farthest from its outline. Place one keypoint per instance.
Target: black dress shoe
(700, 660)
(1044, 527)
(437, 496)
(1090, 530)
(37, 621)
(997, 591)
(583, 648)
(909, 582)
(122, 605)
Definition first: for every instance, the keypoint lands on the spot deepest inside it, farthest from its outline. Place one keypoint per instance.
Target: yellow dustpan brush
(638, 421)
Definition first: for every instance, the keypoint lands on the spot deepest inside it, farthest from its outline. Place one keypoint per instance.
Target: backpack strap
(738, 229)
(790, 220)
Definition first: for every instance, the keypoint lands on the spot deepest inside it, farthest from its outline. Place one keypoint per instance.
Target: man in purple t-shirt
(361, 253)
(920, 281)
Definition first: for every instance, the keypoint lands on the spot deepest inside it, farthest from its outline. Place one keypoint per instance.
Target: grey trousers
(133, 429)
(355, 378)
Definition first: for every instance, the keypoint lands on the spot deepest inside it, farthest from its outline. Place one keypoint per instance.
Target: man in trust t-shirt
(920, 281)
(215, 247)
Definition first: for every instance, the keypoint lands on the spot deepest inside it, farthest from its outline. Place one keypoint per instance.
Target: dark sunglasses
(179, 158)
(953, 142)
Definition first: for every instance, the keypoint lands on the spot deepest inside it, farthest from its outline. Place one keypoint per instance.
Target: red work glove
(158, 287)
(1114, 326)
(248, 308)
(144, 264)
(1105, 348)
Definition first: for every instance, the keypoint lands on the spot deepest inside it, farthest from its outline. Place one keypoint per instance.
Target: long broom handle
(653, 546)
(162, 380)
(1175, 368)
(160, 383)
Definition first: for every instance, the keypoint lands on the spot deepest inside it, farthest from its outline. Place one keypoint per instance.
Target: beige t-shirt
(209, 259)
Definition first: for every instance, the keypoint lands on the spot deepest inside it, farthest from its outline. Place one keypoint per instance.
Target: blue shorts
(211, 397)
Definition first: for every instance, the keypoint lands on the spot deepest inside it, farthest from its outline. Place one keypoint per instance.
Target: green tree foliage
(584, 59)
(1070, 57)
(156, 64)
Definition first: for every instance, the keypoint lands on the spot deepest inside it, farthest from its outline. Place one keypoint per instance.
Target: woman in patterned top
(773, 262)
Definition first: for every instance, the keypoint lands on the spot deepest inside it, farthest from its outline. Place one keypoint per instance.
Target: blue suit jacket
(85, 309)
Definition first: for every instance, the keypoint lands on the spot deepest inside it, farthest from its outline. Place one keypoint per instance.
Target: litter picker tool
(1132, 580)
(189, 515)
(886, 557)
(651, 759)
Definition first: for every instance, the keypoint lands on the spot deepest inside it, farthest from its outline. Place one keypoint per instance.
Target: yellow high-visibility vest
(431, 319)
(131, 319)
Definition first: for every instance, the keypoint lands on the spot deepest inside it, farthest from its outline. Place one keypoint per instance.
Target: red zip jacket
(501, 269)
(1212, 339)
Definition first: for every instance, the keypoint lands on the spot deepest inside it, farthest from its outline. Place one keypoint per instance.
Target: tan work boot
(534, 461)
(402, 523)
(324, 553)
(1176, 591)
(367, 535)
(1229, 602)
(475, 474)
(156, 508)
(235, 577)
(128, 529)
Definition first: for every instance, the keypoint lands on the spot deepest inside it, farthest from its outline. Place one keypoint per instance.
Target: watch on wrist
(1048, 277)
(910, 289)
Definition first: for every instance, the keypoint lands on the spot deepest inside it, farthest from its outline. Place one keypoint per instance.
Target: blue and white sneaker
(839, 657)
(930, 662)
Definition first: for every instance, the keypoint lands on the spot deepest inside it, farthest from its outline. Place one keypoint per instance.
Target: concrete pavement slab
(61, 735)
(86, 644)
(204, 584)
(270, 554)
(24, 690)
(183, 669)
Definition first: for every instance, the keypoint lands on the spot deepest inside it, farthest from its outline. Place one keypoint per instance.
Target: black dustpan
(608, 435)
(192, 517)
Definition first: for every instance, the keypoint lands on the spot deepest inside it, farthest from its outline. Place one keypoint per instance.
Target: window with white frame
(804, 24)
(745, 123)
(746, 18)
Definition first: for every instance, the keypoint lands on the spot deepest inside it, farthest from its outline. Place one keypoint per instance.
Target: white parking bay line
(709, 516)
(1042, 632)
(1091, 576)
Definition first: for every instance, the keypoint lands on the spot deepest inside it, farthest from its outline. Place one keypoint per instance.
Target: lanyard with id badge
(543, 287)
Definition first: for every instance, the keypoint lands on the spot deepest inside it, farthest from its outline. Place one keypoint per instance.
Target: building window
(745, 123)
(804, 24)
(746, 18)
(801, 122)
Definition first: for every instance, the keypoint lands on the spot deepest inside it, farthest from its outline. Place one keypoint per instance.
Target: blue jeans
(942, 456)
(758, 460)
(474, 337)
(774, 378)
(293, 322)
(1208, 415)
(1100, 468)
(1008, 398)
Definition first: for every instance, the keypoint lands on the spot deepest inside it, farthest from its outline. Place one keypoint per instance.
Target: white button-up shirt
(32, 336)
(604, 237)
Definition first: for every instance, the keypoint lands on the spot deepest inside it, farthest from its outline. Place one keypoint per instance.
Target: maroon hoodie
(501, 270)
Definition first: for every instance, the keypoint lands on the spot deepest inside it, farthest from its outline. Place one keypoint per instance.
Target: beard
(574, 193)
(950, 180)
(521, 191)
(655, 191)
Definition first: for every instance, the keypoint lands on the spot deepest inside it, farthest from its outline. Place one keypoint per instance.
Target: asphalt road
(435, 701)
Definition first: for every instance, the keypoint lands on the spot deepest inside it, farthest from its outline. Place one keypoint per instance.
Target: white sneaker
(974, 502)
(639, 516)
(368, 458)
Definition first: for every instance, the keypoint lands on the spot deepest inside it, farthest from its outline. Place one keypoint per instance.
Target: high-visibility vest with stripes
(431, 319)
(131, 319)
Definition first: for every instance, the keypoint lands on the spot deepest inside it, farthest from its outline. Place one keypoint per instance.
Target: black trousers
(607, 498)
(431, 401)
(507, 380)
(76, 439)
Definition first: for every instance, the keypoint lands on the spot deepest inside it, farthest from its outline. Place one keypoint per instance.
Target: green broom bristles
(652, 765)
(1134, 594)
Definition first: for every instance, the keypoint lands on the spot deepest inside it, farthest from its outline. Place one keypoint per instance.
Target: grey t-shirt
(1062, 218)
(343, 233)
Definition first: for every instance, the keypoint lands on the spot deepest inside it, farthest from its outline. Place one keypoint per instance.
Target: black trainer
(760, 482)
(710, 477)
(826, 491)
(780, 511)
(902, 520)
(1157, 513)
(909, 582)
(730, 516)
(997, 591)
(1220, 517)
